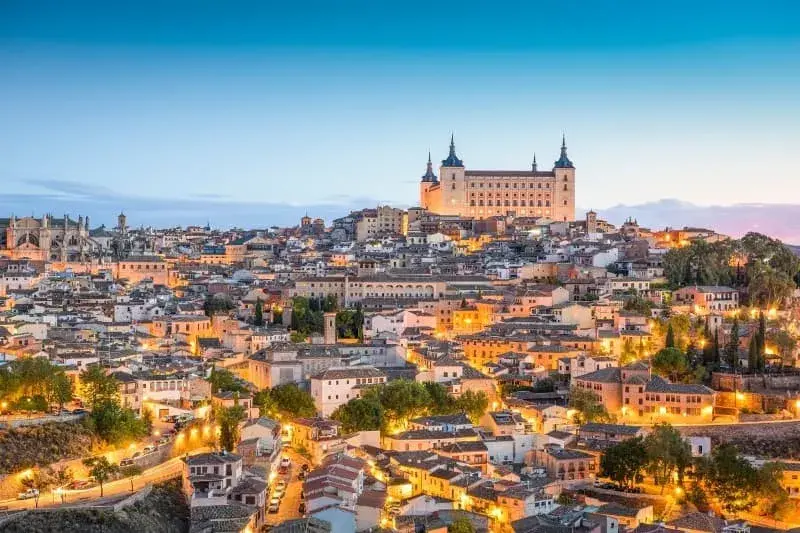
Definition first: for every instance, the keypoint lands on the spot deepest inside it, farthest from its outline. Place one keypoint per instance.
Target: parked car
(79, 484)
(136, 455)
(285, 461)
(79, 411)
(301, 475)
(28, 494)
(273, 508)
(149, 449)
(305, 467)
(302, 508)
(126, 462)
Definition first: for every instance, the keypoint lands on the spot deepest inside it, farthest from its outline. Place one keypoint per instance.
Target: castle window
(453, 175)
(454, 186)
(539, 203)
(566, 178)
(540, 185)
(481, 185)
(565, 202)
(547, 203)
(515, 185)
(565, 187)
(489, 203)
(514, 203)
(546, 185)
(506, 204)
(472, 203)
(506, 185)
(522, 203)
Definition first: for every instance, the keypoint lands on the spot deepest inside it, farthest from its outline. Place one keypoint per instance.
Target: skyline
(228, 109)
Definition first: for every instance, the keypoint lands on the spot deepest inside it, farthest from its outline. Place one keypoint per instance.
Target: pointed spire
(429, 176)
(534, 167)
(563, 161)
(452, 159)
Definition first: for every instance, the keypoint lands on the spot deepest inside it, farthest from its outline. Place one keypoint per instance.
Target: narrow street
(290, 502)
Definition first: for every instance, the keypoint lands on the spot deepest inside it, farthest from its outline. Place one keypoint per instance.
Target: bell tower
(564, 194)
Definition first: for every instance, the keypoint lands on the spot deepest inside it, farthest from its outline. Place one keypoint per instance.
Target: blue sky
(251, 112)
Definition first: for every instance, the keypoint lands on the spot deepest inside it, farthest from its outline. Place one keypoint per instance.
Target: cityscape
(367, 320)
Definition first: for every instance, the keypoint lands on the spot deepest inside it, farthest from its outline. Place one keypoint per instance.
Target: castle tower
(329, 328)
(451, 182)
(428, 180)
(122, 222)
(564, 194)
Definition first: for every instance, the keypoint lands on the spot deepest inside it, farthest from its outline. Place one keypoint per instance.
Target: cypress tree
(752, 354)
(732, 348)
(258, 319)
(670, 340)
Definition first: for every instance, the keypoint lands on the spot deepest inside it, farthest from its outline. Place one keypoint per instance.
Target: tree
(667, 454)
(474, 404)
(98, 386)
(672, 364)
(116, 424)
(224, 380)
(101, 470)
(785, 345)
(359, 414)
(753, 356)
(587, 406)
(441, 402)
(228, 419)
(60, 389)
(61, 477)
(624, 462)
(732, 347)
(731, 478)
(40, 481)
(669, 342)
(403, 399)
(292, 402)
(461, 524)
(216, 304)
(258, 318)
(768, 287)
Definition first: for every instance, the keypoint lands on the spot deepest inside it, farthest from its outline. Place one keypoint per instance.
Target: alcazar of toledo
(488, 193)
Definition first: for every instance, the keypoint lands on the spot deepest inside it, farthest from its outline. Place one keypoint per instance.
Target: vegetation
(624, 462)
(762, 266)
(218, 304)
(587, 407)
(34, 383)
(287, 400)
(163, 510)
(461, 524)
(308, 317)
(101, 470)
(109, 420)
(225, 380)
(228, 419)
(258, 318)
(663, 454)
(390, 406)
(41, 445)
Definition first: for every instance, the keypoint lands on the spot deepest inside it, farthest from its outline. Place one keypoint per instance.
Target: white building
(337, 386)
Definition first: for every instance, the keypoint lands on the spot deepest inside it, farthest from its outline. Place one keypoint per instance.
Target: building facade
(489, 193)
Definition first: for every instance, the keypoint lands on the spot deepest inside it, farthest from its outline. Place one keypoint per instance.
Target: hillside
(163, 510)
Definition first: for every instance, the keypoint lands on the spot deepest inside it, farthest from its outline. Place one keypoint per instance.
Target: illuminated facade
(489, 193)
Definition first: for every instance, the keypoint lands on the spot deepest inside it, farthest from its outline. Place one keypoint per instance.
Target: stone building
(487, 193)
(47, 238)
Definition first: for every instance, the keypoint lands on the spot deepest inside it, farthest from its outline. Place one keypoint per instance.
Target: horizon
(172, 112)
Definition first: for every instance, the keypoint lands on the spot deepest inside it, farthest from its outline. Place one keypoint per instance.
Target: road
(290, 502)
(162, 472)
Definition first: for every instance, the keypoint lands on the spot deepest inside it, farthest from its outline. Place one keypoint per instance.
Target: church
(488, 193)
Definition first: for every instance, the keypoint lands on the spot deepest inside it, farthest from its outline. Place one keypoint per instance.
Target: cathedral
(487, 193)
(46, 238)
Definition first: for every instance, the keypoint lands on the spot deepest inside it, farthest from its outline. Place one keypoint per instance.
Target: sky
(251, 113)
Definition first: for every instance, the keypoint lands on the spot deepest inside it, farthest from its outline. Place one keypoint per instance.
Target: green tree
(292, 402)
(474, 404)
(587, 406)
(60, 389)
(40, 481)
(672, 364)
(441, 402)
(61, 477)
(101, 470)
(624, 462)
(403, 399)
(461, 524)
(98, 386)
(116, 424)
(228, 419)
(785, 344)
(753, 356)
(258, 316)
(668, 454)
(731, 478)
(359, 414)
(224, 380)
(669, 342)
(732, 347)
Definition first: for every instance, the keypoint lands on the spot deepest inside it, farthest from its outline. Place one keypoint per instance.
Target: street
(162, 472)
(290, 502)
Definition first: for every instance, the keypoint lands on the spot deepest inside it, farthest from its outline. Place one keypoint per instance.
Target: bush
(41, 445)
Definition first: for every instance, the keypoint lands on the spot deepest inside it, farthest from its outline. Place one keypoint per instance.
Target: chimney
(329, 330)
